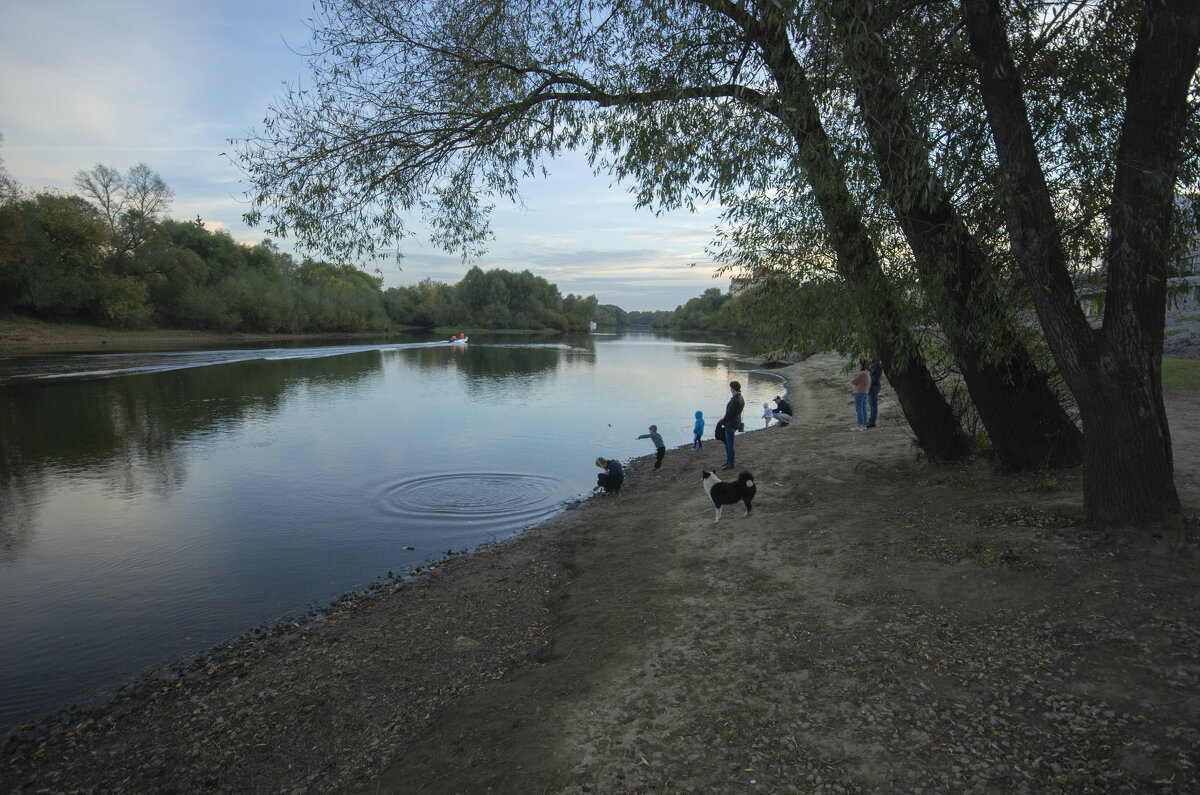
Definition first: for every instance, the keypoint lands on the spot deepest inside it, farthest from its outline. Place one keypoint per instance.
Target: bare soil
(878, 623)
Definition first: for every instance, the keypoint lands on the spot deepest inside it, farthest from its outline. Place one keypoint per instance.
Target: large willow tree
(440, 108)
(1115, 370)
(437, 108)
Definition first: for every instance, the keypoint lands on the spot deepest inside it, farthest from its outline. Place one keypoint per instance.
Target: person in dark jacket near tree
(875, 368)
(732, 420)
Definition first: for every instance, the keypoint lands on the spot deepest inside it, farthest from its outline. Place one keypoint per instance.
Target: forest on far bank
(108, 255)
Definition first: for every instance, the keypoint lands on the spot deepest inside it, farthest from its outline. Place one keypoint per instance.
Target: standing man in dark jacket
(875, 368)
(732, 420)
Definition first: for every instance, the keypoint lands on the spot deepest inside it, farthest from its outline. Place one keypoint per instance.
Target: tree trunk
(925, 407)
(1114, 372)
(1025, 421)
(1129, 476)
(930, 417)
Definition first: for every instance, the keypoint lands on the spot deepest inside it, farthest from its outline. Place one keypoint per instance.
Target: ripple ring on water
(470, 495)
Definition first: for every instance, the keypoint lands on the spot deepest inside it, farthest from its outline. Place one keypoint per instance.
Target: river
(155, 504)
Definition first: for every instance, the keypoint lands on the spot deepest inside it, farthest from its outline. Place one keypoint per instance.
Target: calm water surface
(153, 505)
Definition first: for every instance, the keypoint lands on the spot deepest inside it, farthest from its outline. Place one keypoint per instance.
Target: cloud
(634, 279)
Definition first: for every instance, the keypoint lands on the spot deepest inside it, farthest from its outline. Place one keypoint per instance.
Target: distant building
(1188, 261)
(743, 282)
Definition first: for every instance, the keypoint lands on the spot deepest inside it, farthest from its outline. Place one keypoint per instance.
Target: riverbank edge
(21, 334)
(24, 335)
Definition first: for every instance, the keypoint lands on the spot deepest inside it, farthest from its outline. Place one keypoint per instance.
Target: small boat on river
(459, 340)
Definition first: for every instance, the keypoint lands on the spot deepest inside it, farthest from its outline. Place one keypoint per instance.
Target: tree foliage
(714, 310)
(76, 257)
(660, 318)
(611, 316)
(493, 299)
(110, 259)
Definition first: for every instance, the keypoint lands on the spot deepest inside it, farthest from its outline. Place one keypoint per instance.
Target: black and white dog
(740, 490)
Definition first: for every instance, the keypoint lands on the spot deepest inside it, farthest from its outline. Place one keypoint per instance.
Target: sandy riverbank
(878, 623)
(21, 335)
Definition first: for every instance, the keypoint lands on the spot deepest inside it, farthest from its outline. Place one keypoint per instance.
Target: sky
(169, 84)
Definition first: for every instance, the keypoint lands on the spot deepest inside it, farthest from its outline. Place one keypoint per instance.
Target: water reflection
(493, 368)
(126, 432)
(491, 361)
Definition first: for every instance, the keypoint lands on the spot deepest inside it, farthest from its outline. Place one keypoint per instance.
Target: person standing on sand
(875, 368)
(768, 415)
(862, 385)
(659, 447)
(732, 420)
(698, 432)
(611, 478)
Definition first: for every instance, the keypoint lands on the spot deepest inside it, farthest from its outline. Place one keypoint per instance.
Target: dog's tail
(746, 478)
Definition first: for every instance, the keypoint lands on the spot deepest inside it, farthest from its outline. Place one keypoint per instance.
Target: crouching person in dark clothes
(609, 481)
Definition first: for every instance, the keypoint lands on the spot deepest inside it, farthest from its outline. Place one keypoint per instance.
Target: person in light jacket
(862, 386)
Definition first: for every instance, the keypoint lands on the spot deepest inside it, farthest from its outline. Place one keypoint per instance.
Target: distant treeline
(109, 256)
(713, 311)
(64, 257)
(494, 299)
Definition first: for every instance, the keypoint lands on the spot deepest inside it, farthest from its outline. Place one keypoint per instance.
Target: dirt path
(876, 624)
